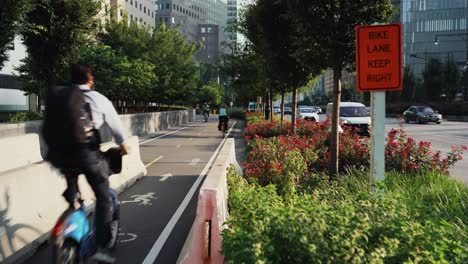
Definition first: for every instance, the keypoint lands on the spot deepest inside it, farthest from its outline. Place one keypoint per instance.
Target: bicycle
(73, 238)
(224, 126)
(205, 115)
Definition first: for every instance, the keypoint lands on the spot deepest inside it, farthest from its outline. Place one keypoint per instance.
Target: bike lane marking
(154, 252)
(154, 161)
(169, 133)
(165, 176)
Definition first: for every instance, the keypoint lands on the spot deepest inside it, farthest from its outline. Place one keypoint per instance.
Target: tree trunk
(270, 102)
(293, 109)
(335, 136)
(282, 106)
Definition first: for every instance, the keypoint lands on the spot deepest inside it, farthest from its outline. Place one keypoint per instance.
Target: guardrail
(203, 244)
(31, 197)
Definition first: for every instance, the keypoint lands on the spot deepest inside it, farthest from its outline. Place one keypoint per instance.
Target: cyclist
(223, 118)
(88, 159)
(206, 109)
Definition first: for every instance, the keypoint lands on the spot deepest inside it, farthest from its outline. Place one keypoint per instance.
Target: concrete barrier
(31, 201)
(19, 151)
(203, 244)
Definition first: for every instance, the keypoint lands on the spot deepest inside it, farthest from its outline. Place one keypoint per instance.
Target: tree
(127, 39)
(327, 35)
(177, 72)
(409, 83)
(268, 27)
(53, 33)
(11, 13)
(433, 79)
(451, 78)
(212, 93)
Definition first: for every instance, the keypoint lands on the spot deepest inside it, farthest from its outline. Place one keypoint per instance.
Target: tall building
(209, 37)
(141, 11)
(231, 22)
(188, 15)
(434, 29)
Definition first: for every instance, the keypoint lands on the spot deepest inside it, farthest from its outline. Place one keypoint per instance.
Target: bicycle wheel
(66, 253)
(114, 233)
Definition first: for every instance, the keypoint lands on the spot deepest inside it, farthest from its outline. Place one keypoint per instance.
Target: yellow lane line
(151, 163)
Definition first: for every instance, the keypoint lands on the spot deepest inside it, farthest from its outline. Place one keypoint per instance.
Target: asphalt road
(177, 164)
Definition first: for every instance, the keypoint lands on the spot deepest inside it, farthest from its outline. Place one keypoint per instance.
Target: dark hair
(80, 73)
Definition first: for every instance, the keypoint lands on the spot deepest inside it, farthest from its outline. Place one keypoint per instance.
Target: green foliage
(432, 79)
(212, 93)
(335, 224)
(11, 13)
(24, 116)
(53, 33)
(175, 68)
(236, 112)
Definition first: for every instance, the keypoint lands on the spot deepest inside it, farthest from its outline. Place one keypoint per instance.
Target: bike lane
(175, 164)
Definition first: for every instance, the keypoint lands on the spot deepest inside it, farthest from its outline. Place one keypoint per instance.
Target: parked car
(318, 109)
(287, 110)
(309, 114)
(276, 110)
(354, 115)
(422, 114)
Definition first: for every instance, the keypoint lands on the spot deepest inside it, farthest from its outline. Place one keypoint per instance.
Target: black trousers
(96, 169)
(223, 122)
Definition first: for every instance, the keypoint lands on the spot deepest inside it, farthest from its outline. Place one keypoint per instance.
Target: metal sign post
(378, 69)
(377, 156)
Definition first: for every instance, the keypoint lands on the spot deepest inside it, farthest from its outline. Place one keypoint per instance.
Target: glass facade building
(187, 15)
(424, 22)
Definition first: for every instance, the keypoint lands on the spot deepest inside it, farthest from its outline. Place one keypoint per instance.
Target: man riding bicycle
(206, 111)
(85, 157)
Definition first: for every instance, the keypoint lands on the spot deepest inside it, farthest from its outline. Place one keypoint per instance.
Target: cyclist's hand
(124, 149)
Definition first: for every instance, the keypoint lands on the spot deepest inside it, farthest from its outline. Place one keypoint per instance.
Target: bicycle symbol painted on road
(141, 199)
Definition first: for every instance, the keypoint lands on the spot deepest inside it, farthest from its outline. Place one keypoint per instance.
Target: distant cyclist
(206, 111)
(223, 118)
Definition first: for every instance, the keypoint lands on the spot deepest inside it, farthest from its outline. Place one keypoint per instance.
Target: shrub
(347, 228)
(237, 113)
(24, 116)
(404, 154)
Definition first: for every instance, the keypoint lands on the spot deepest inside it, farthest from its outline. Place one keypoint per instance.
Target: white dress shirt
(103, 112)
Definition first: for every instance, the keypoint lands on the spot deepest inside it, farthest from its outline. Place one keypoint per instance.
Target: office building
(209, 37)
(141, 11)
(231, 22)
(434, 29)
(189, 15)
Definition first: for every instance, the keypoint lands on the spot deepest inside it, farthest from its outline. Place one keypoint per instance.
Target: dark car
(287, 110)
(422, 114)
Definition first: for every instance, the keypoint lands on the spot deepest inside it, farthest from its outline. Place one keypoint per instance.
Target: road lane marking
(168, 133)
(190, 139)
(194, 162)
(130, 239)
(151, 163)
(141, 199)
(165, 176)
(154, 252)
(178, 146)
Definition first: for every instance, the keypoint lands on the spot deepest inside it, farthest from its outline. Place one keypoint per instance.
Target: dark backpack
(67, 125)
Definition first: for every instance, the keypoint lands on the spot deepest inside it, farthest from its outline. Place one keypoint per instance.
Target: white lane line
(165, 176)
(154, 252)
(168, 133)
(194, 162)
(151, 163)
(178, 146)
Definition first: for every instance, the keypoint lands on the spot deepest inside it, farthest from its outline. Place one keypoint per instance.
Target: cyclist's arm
(113, 121)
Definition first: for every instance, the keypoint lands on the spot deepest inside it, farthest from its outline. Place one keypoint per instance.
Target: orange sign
(379, 58)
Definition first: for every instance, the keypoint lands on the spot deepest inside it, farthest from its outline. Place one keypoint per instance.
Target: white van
(354, 115)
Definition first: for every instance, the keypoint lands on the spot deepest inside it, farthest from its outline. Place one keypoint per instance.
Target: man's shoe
(102, 257)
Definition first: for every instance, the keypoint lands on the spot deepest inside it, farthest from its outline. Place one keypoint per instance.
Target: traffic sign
(379, 58)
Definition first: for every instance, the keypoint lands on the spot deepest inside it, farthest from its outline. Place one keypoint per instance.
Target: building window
(144, 9)
(203, 30)
(131, 2)
(136, 4)
(131, 17)
(165, 19)
(140, 7)
(210, 30)
(173, 20)
(168, 6)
